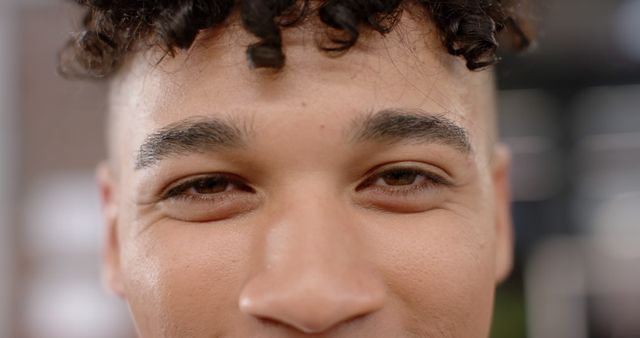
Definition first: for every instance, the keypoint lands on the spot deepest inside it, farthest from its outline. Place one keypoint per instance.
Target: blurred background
(570, 110)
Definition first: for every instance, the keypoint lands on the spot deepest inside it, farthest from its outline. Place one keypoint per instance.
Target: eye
(397, 178)
(208, 198)
(403, 178)
(206, 186)
(403, 189)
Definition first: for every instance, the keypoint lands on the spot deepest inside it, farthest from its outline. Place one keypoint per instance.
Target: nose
(312, 275)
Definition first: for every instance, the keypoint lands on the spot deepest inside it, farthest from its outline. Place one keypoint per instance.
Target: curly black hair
(114, 28)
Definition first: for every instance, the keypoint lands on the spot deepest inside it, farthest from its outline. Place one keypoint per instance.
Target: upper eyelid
(180, 186)
(408, 165)
(435, 178)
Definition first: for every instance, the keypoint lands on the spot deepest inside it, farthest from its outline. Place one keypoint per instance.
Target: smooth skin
(301, 228)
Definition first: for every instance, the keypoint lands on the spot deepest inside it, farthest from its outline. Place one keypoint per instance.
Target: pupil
(400, 178)
(211, 186)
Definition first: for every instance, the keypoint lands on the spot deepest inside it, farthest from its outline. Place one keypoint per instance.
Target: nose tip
(309, 271)
(314, 308)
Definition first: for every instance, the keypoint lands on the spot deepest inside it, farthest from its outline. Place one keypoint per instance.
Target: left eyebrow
(398, 125)
(192, 135)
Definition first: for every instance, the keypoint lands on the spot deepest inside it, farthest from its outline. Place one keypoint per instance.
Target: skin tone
(358, 196)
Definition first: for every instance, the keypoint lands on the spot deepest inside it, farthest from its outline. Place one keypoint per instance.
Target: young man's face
(358, 196)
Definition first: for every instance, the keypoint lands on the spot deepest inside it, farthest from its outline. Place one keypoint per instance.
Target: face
(358, 196)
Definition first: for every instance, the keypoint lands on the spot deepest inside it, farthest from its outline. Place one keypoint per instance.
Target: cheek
(182, 276)
(440, 270)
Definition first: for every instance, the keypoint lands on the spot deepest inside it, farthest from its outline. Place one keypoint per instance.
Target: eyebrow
(399, 125)
(206, 134)
(193, 135)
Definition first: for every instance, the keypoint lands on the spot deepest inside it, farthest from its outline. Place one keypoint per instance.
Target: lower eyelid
(217, 207)
(415, 188)
(181, 188)
(206, 197)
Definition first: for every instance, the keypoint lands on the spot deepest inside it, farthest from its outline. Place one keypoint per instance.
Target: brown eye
(211, 186)
(400, 177)
(408, 180)
(207, 186)
(403, 189)
(209, 198)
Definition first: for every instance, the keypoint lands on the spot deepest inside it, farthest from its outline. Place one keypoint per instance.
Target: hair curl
(113, 28)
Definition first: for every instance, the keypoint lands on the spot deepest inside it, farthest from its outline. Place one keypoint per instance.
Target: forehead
(407, 69)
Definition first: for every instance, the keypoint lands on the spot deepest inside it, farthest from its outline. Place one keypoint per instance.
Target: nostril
(310, 280)
(277, 324)
(308, 312)
(309, 327)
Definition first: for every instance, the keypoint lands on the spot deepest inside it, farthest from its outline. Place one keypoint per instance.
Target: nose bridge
(312, 228)
(311, 242)
(311, 275)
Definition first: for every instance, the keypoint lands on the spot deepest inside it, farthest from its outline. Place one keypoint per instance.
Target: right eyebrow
(398, 125)
(193, 135)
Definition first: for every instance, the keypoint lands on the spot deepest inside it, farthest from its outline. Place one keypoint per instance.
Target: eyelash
(431, 180)
(179, 191)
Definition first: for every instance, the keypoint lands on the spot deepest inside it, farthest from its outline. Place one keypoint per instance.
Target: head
(355, 190)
